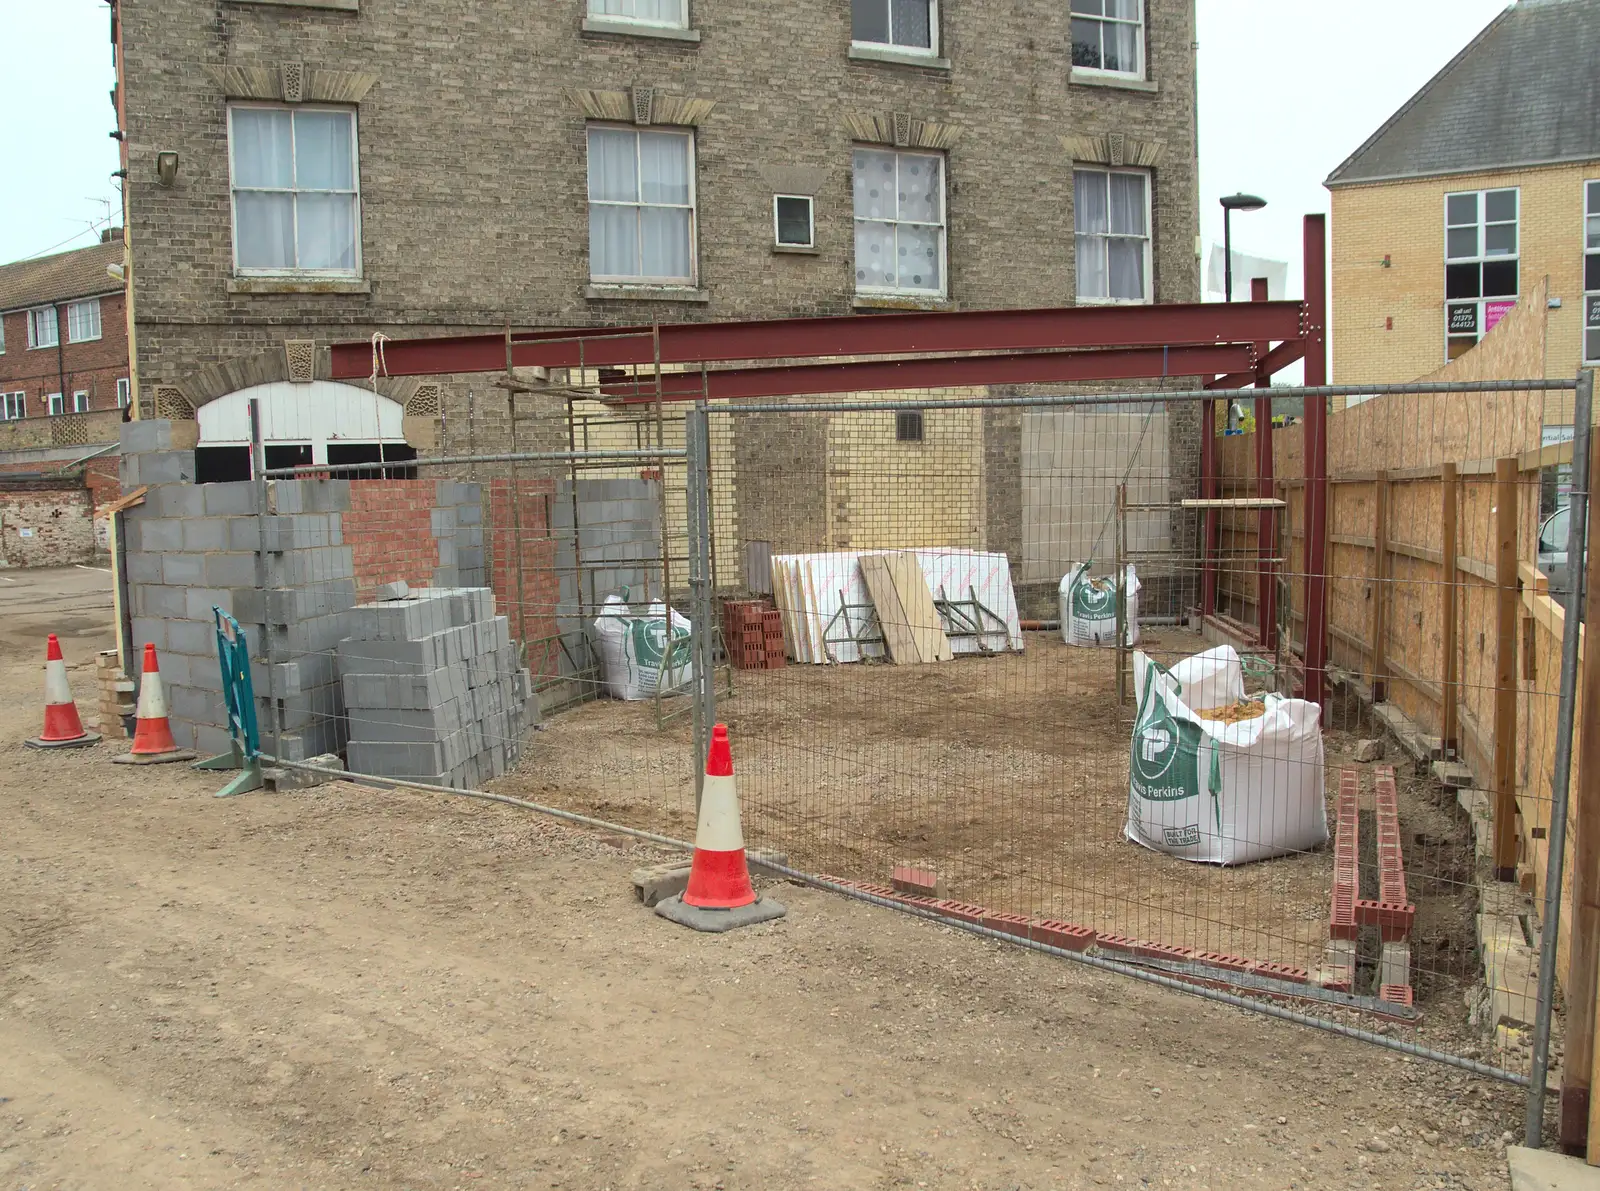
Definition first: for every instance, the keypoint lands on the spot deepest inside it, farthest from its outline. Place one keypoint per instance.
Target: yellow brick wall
(1405, 221)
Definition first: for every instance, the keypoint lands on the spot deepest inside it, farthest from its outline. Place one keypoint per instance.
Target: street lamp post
(1230, 204)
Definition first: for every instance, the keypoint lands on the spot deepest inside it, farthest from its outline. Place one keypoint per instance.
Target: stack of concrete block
(194, 547)
(432, 688)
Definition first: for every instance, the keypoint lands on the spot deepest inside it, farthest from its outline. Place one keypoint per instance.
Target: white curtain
(1121, 47)
(264, 227)
(657, 12)
(1126, 267)
(918, 257)
(651, 235)
(875, 255)
(322, 157)
(913, 23)
(262, 149)
(1127, 205)
(1092, 221)
(327, 231)
(920, 194)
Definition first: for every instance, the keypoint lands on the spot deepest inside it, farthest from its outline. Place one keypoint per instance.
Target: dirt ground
(346, 988)
(1008, 776)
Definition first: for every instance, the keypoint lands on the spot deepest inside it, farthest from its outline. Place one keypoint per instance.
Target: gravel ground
(347, 988)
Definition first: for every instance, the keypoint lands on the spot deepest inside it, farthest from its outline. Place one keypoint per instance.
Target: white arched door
(323, 422)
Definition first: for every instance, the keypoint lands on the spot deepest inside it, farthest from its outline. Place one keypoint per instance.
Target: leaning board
(916, 602)
(898, 634)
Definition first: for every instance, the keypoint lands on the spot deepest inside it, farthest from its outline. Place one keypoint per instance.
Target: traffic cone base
(719, 896)
(152, 737)
(62, 727)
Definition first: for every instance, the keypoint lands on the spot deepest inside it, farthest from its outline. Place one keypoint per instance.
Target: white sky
(1288, 88)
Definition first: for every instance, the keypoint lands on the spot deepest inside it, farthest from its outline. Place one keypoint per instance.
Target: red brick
(1162, 951)
(915, 880)
(1282, 972)
(1216, 959)
(962, 911)
(1011, 924)
(1397, 994)
(1119, 943)
(1065, 935)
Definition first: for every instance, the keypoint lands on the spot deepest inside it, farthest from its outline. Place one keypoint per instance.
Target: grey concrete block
(193, 704)
(182, 733)
(176, 500)
(176, 668)
(469, 535)
(422, 761)
(469, 514)
(205, 534)
(447, 551)
(308, 496)
(313, 634)
(397, 590)
(204, 671)
(400, 726)
(192, 636)
(284, 605)
(295, 676)
(152, 600)
(235, 499)
(309, 709)
(147, 434)
(149, 629)
(199, 602)
(211, 741)
(225, 569)
(167, 467)
(389, 657)
(143, 568)
(442, 522)
(445, 577)
(468, 557)
(183, 570)
(470, 576)
(302, 567)
(155, 535)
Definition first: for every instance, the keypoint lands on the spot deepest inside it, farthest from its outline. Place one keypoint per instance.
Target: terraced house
(309, 171)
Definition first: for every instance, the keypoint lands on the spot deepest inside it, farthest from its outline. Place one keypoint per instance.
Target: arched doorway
(319, 422)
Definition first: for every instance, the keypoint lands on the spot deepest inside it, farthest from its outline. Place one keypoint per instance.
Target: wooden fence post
(1380, 587)
(1579, 1128)
(1505, 670)
(1450, 725)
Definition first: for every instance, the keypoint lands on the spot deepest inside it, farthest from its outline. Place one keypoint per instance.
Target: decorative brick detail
(643, 100)
(293, 75)
(300, 355)
(171, 404)
(901, 129)
(426, 402)
(1114, 148)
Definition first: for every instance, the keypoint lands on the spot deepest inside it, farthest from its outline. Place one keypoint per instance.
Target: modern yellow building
(1485, 182)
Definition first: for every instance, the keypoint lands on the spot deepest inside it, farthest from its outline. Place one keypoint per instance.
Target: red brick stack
(752, 632)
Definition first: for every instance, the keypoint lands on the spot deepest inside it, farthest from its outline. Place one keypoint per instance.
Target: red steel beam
(1274, 361)
(1266, 529)
(843, 335)
(1316, 465)
(869, 376)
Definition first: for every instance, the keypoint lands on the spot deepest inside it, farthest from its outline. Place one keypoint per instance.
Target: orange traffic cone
(152, 736)
(720, 896)
(62, 727)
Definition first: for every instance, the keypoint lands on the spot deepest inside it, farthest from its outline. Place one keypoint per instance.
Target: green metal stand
(238, 696)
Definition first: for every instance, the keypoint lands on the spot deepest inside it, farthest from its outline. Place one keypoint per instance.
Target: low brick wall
(46, 523)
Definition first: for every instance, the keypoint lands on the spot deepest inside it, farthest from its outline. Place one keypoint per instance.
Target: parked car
(1553, 554)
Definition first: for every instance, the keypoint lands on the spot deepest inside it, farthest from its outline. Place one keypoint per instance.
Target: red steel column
(1208, 520)
(1316, 466)
(1267, 539)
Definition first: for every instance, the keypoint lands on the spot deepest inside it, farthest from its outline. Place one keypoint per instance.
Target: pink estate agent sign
(1493, 312)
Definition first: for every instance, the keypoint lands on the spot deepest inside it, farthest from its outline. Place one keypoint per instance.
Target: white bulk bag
(1221, 793)
(634, 649)
(1089, 607)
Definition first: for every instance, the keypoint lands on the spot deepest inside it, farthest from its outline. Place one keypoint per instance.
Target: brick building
(63, 334)
(1484, 183)
(305, 171)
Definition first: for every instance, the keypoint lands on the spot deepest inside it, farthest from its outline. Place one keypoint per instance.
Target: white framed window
(54, 405)
(43, 330)
(80, 401)
(900, 222)
(83, 321)
(908, 25)
(2, 334)
(669, 14)
(124, 392)
(13, 406)
(1591, 272)
(793, 221)
(296, 190)
(1112, 217)
(1481, 252)
(1108, 37)
(641, 206)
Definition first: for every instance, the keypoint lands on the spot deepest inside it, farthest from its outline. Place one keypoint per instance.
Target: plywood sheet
(916, 600)
(904, 645)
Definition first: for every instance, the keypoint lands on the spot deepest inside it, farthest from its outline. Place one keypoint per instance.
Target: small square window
(793, 221)
(54, 404)
(908, 425)
(80, 402)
